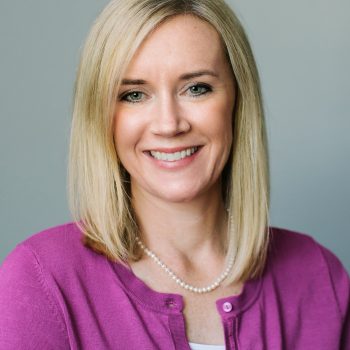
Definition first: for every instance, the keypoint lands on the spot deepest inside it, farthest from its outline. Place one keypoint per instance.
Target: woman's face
(173, 120)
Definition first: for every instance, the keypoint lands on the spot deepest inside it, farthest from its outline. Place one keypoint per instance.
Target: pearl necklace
(178, 280)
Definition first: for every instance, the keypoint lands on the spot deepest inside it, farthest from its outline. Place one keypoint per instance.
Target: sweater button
(170, 303)
(227, 307)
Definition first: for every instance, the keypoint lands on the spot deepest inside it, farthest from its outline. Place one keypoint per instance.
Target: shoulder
(28, 296)
(59, 242)
(299, 250)
(53, 250)
(65, 237)
(298, 261)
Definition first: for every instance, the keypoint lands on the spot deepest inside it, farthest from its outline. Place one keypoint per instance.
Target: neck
(183, 234)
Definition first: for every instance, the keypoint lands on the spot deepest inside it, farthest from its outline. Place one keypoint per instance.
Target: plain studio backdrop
(302, 50)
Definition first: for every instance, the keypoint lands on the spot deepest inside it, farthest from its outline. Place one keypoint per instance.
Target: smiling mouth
(175, 156)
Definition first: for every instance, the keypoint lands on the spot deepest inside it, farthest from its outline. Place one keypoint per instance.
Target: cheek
(122, 135)
(219, 122)
(225, 111)
(126, 130)
(118, 132)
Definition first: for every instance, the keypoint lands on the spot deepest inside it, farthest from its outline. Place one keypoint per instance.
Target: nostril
(169, 124)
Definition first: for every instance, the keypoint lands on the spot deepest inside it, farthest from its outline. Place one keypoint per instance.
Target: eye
(199, 89)
(132, 97)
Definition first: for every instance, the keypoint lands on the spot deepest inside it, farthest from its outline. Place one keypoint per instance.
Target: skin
(178, 205)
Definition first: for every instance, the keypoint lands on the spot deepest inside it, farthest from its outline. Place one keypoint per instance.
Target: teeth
(172, 157)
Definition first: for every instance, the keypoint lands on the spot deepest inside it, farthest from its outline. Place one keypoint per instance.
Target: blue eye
(199, 89)
(133, 96)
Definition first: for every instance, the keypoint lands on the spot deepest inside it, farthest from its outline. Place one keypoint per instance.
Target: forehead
(181, 41)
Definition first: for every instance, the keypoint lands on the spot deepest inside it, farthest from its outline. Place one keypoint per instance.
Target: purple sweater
(55, 293)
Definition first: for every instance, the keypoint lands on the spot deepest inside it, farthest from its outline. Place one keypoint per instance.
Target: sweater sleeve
(30, 317)
(341, 287)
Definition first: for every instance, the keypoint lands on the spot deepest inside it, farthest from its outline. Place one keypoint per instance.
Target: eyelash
(201, 86)
(208, 89)
(125, 96)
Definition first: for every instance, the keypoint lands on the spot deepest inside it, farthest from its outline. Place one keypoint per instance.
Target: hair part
(98, 185)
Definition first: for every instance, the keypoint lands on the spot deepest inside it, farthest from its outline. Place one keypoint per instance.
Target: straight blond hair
(98, 185)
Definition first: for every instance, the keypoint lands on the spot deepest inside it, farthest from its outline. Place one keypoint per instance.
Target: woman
(169, 192)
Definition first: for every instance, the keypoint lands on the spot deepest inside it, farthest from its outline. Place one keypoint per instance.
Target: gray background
(303, 53)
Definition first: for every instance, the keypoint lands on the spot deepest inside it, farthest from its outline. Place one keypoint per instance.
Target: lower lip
(176, 163)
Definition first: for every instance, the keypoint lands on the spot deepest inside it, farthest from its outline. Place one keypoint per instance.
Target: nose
(168, 119)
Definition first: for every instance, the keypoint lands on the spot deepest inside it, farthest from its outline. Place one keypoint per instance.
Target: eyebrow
(199, 73)
(185, 76)
(133, 82)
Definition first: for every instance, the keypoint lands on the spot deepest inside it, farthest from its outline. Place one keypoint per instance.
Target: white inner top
(195, 346)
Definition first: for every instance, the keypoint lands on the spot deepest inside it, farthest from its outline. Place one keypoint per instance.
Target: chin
(181, 198)
(179, 195)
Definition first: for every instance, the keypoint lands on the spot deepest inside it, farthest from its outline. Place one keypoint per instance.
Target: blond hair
(99, 192)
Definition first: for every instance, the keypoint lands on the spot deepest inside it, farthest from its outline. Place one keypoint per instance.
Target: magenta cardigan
(55, 293)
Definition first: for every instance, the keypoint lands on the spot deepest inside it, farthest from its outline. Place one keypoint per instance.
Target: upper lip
(171, 149)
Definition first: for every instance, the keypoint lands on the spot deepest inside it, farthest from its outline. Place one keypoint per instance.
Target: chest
(135, 323)
(127, 314)
(203, 322)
